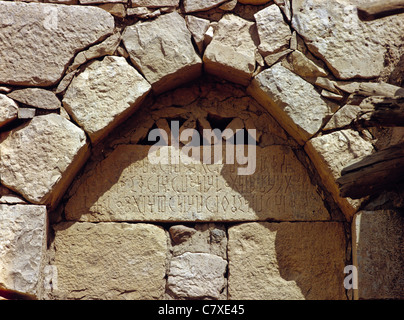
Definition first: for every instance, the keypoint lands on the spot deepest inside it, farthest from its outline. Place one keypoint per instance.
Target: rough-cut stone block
(40, 158)
(231, 53)
(273, 31)
(330, 153)
(110, 261)
(104, 95)
(343, 117)
(155, 3)
(350, 47)
(8, 110)
(22, 247)
(143, 13)
(197, 275)
(36, 97)
(276, 261)
(284, 5)
(198, 28)
(180, 233)
(203, 238)
(38, 40)
(378, 254)
(162, 50)
(304, 67)
(229, 5)
(200, 5)
(116, 9)
(128, 186)
(26, 113)
(280, 91)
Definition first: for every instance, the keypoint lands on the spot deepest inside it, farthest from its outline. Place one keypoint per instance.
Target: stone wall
(86, 214)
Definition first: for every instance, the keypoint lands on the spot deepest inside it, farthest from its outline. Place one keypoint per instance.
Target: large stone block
(273, 31)
(38, 40)
(378, 254)
(280, 91)
(276, 261)
(351, 48)
(330, 153)
(109, 261)
(131, 185)
(40, 158)
(231, 53)
(104, 95)
(22, 247)
(197, 275)
(36, 97)
(162, 50)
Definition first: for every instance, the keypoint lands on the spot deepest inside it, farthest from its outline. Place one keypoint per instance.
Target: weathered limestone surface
(378, 251)
(155, 3)
(279, 189)
(9, 197)
(202, 238)
(229, 5)
(231, 53)
(280, 91)
(351, 48)
(116, 9)
(273, 32)
(40, 158)
(198, 261)
(343, 117)
(105, 94)
(8, 110)
(38, 40)
(36, 97)
(276, 261)
(305, 67)
(284, 5)
(162, 51)
(26, 113)
(198, 28)
(143, 12)
(110, 261)
(22, 247)
(200, 5)
(330, 153)
(197, 275)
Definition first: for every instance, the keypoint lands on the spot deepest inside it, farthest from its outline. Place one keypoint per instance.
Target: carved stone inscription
(126, 186)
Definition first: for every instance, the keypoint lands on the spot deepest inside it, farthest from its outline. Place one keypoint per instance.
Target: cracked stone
(163, 52)
(197, 275)
(104, 95)
(22, 247)
(38, 40)
(231, 53)
(46, 152)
